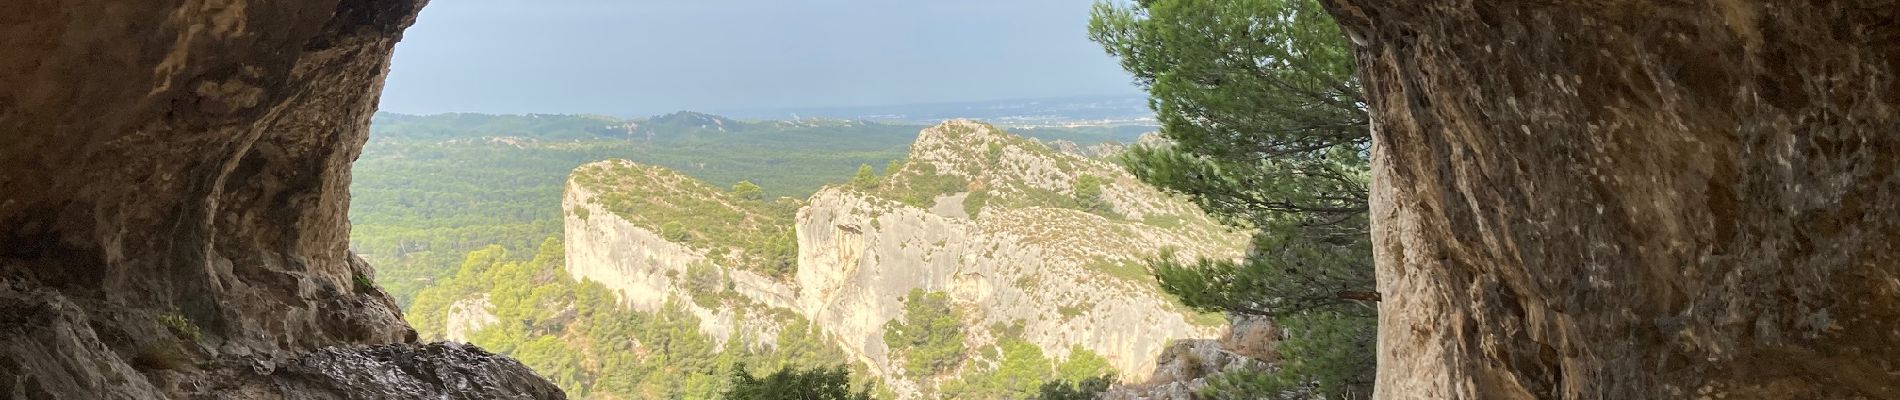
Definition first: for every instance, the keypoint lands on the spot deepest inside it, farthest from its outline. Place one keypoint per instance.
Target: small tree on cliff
(930, 337)
(746, 190)
(1270, 133)
(866, 177)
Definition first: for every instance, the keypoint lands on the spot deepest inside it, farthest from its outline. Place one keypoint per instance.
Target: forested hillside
(429, 189)
(983, 265)
(462, 214)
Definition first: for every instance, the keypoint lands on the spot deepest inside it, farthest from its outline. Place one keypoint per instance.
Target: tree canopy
(1268, 131)
(793, 383)
(931, 334)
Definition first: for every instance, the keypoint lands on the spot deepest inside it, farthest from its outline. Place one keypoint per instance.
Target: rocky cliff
(172, 206)
(1582, 199)
(988, 218)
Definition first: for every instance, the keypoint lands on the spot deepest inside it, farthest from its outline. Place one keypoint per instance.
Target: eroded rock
(173, 189)
(1587, 199)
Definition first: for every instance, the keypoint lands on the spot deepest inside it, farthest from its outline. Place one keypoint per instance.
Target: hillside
(429, 189)
(1034, 252)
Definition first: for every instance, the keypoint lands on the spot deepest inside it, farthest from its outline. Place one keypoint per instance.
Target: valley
(651, 278)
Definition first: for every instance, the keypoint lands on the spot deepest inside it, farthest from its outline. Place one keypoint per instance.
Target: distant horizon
(731, 113)
(645, 57)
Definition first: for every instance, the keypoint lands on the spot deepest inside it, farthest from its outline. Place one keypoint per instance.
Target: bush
(363, 284)
(1088, 195)
(1086, 389)
(974, 203)
(674, 231)
(746, 190)
(181, 326)
(930, 336)
(793, 383)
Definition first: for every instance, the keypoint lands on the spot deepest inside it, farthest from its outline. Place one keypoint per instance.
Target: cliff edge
(1030, 245)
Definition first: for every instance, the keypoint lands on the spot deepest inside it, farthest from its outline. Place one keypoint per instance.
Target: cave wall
(1633, 199)
(193, 154)
(171, 166)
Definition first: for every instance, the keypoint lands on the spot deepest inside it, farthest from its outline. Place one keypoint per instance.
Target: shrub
(178, 324)
(930, 336)
(1088, 195)
(363, 283)
(974, 203)
(793, 383)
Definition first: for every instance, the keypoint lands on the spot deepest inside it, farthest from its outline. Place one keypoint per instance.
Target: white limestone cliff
(1069, 278)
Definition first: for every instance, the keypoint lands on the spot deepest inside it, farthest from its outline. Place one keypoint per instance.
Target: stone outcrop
(1182, 371)
(173, 189)
(1064, 278)
(1184, 367)
(466, 317)
(1585, 199)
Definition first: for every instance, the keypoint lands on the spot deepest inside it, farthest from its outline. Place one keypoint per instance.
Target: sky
(644, 57)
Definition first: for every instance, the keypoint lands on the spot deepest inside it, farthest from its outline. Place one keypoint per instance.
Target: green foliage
(577, 335)
(181, 326)
(1018, 375)
(1270, 133)
(745, 190)
(1324, 356)
(1084, 389)
(705, 282)
(793, 383)
(1088, 195)
(1019, 370)
(675, 231)
(919, 185)
(1083, 365)
(973, 203)
(362, 283)
(757, 235)
(866, 178)
(429, 189)
(1072, 310)
(930, 336)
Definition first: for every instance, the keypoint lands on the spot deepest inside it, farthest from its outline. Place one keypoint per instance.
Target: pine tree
(746, 190)
(866, 178)
(793, 383)
(1269, 131)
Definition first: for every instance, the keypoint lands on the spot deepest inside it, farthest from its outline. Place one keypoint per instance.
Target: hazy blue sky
(638, 57)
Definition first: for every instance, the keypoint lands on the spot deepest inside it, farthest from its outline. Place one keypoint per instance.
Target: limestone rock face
(1062, 278)
(173, 190)
(1590, 199)
(1182, 371)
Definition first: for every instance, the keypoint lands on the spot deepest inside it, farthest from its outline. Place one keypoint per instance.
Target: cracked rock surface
(173, 190)
(1626, 199)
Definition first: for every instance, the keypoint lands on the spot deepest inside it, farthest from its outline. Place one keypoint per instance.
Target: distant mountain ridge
(1106, 110)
